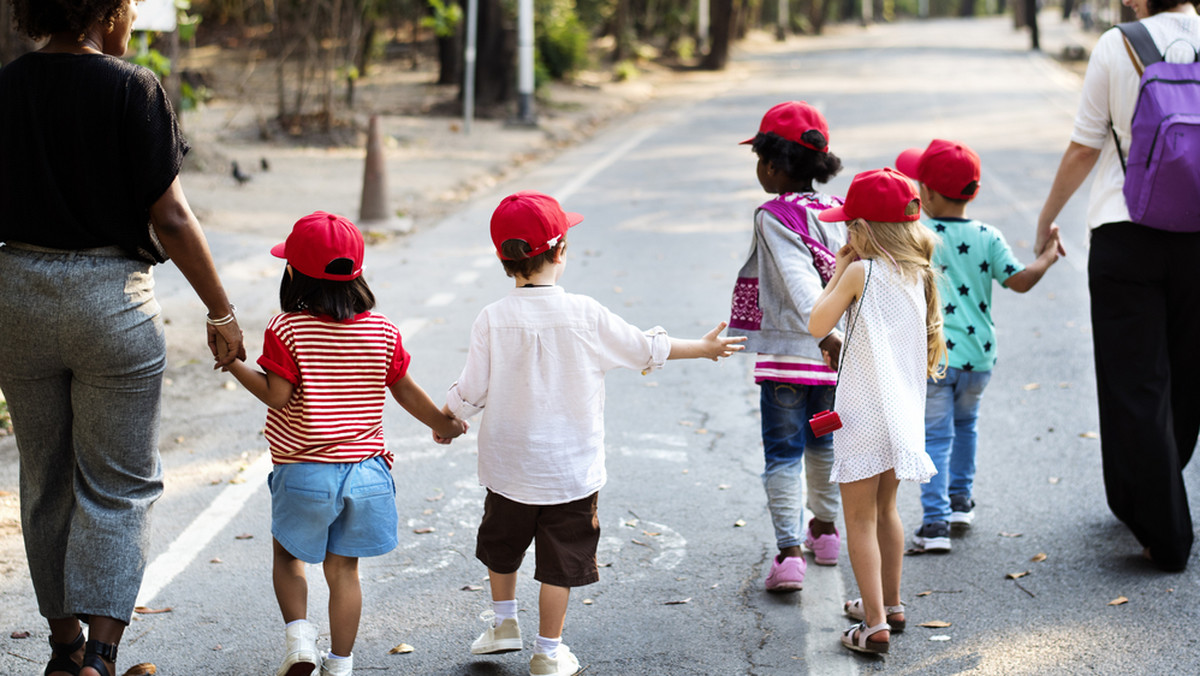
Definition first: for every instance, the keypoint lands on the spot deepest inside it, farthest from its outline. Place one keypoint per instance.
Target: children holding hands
(536, 362)
(885, 285)
(329, 361)
(969, 256)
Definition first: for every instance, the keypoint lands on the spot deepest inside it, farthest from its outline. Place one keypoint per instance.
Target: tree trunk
(723, 26)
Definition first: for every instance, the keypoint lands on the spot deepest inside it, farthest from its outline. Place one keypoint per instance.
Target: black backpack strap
(1136, 34)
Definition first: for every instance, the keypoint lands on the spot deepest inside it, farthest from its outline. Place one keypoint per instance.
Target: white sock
(331, 656)
(294, 622)
(548, 646)
(505, 610)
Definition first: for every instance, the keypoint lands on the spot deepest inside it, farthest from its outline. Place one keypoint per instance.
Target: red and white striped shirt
(341, 371)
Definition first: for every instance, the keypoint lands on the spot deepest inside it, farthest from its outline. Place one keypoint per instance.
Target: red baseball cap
(317, 240)
(949, 168)
(532, 217)
(791, 119)
(880, 195)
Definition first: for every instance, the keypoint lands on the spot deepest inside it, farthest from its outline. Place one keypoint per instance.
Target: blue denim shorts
(348, 509)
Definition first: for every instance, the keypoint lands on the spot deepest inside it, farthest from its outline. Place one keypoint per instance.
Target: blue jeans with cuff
(787, 439)
(951, 415)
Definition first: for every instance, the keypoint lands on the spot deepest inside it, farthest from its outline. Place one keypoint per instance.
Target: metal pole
(469, 67)
(702, 26)
(525, 62)
(782, 18)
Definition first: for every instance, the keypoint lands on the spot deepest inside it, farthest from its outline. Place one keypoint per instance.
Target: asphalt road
(667, 196)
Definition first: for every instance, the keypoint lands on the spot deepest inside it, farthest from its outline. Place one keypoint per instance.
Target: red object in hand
(825, 422)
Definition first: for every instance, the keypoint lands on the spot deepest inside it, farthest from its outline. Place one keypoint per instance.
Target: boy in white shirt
(537, 360)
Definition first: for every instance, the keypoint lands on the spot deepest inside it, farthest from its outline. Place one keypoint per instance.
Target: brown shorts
(565, 538)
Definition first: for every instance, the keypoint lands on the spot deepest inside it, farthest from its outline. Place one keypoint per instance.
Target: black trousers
(1145, 303)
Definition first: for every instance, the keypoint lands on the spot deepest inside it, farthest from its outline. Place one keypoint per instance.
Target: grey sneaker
(502, 638)
(563, 663)
(933, 537)
(962, 511)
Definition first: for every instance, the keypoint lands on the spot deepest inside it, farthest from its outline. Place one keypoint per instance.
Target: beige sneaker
(563, 663)
(337, 667)
(502, 638)
(301, 658)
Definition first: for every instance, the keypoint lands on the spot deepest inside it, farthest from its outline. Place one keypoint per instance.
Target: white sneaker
(337, 667)
(502, 638)
(563, 663)
(301, 658)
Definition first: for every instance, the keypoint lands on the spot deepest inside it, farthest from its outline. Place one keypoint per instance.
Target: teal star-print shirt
(969, 255)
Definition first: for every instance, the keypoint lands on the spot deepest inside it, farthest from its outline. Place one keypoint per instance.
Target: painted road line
(439, 299)
(187, 546)
(467, 277)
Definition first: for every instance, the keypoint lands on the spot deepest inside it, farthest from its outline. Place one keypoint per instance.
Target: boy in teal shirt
(970, 255)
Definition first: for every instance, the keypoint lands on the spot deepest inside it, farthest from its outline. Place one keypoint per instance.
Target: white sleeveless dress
(881, 382)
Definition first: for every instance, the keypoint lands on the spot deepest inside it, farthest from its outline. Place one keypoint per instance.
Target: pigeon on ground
(238, 175)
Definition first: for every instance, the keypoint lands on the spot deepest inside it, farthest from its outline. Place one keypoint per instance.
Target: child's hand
(714, 345)
(1053, 248)
(831, 349)
(461, 427)
(845, 256)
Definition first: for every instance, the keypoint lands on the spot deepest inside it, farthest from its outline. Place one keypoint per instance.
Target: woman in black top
(90, 199)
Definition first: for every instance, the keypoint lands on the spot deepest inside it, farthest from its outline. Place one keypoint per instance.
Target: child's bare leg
(858, 506)
(345, 602)
(552, 610)
(890, 535)
(504, 585)
(291, 587)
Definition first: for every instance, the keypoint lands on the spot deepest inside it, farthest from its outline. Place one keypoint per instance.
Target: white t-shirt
(537, 361)
(1110, 91)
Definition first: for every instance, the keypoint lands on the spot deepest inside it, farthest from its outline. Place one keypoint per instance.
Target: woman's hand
(225, 343)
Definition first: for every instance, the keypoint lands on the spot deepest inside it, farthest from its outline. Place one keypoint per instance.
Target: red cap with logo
(880, 195)
(790, 120)
(319, 239)
(949, 168)
(532, 217)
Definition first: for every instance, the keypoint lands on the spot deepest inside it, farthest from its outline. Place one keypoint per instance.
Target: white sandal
(864, 644)
(854, 610)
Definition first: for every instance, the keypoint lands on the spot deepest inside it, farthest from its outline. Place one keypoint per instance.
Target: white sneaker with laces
(337, 667)
(301, 658)
(497, 638)
(564, 663)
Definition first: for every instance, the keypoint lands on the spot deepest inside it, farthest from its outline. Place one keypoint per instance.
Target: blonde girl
(885, 286)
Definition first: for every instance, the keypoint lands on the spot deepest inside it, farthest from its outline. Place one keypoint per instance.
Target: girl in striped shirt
(790, 260)
(329, 362)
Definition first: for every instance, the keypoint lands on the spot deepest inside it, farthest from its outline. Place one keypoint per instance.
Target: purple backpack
(1162, 172)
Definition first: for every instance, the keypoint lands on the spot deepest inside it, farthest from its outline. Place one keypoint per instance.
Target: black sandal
(60, 658)
(94, 655)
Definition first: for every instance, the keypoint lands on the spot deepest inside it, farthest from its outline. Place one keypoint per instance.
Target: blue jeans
(951, 413)
(786, 435)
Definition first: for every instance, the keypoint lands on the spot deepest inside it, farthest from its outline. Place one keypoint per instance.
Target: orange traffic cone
(374, 211)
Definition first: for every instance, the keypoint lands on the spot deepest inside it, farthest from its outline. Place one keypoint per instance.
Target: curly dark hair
(40, 18)
(796, 161)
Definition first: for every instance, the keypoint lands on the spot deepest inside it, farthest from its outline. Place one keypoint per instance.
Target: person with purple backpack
(1145, 302)
(791, 259)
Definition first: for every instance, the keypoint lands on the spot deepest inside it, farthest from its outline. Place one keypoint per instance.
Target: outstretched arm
(270, 388)
(712, 346)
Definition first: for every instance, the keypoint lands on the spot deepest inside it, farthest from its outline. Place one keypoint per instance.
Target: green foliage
(445, 19)
(186, 24)
(560, 38)
(5, 419)
(625, 70)
(153, 59)
(684, 47)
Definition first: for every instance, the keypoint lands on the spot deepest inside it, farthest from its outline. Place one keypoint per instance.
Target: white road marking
(581, 179)
(187, 546)
(466, 277)
(439, 299)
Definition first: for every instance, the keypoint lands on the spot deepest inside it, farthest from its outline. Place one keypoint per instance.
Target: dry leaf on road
(471, 587)
(143, 669)
(401, 649)
(1119, 601)
(678, 603)
(935, 624)
(19, 634)
(1005, 534)
(1039, 557)
(1028, 387)
(739, 523)
(143, 610)
(1089, 435)
(243, 536)
(1013, 576)
(425, 530)
(924, 593)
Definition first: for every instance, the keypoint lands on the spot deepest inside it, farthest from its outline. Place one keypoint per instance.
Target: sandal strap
(865, 632)
(65, 649)
(97, 651)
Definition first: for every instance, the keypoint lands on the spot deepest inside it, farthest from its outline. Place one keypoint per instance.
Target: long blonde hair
(909, 248)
